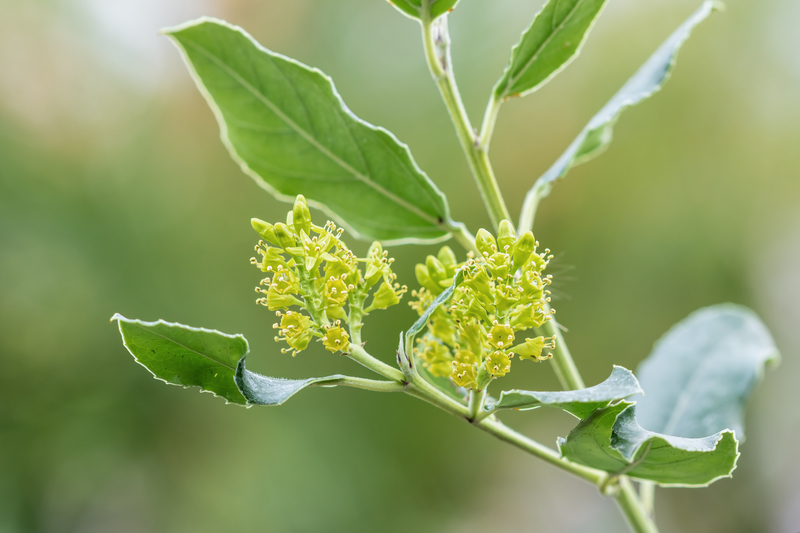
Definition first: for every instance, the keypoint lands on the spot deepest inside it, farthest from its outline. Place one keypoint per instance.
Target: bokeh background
(117, 196)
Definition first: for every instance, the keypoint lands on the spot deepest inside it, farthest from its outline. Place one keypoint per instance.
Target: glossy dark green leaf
(610, 439)
(701, 372)
(597, 135)
(550, 43)
(581, 403)
(288, 128)
(187, 356)
(414, 8)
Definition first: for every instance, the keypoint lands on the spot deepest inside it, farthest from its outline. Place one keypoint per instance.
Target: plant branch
(416, 386)
(631, 506)
(436, 40)
(563, 365)
(359, 355)
(647, 493)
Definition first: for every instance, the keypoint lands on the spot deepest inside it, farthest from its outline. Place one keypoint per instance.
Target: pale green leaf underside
(700, 374)
(187, 356)
(581, 403)
(264, 390)
(611, 440)
(597, 134)
(413, 8)
(550, 43)
(289, 129)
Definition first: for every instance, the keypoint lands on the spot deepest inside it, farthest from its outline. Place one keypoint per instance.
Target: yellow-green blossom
(309, 267)
(504, 291)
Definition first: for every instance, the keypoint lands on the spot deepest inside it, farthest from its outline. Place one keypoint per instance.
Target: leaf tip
(118, 317)
(718, 5)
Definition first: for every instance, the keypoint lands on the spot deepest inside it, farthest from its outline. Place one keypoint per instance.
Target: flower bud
(301, 217)
(506, 237)
(448, 259)
(284, 235)
(264, 230)
(425, 280)
(485, 243)
(436, 269)
(523, 250)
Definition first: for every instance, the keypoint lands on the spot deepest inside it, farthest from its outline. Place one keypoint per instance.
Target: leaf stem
(436, 40)
(631, 506)
(361, 383)
(563, 365)
(359, 355)
(464, 237)
(489, 120)
(531, 204)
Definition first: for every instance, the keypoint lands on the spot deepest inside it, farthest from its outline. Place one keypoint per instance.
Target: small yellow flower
(297, 330)
(501, 336)
(436, 358)
(532, 348)
(498, 363)
(465, 369)
(336, 338)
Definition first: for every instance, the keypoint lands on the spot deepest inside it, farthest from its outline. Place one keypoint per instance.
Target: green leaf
(550, 43)
(187, 356)
(206, 358)
(700, 374)
(414, 8)
(439, 300)
(288, 128)
(597, 135)
(581, 403)
(264, 390)
(611, 440)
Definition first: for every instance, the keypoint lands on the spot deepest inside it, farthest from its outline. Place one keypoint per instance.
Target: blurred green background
(117, 196)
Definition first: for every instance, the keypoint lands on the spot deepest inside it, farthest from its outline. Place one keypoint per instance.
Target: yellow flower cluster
(311, 268)
(503, 292)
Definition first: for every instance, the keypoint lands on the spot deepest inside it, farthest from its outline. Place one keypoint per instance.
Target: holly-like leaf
(581, 403)
(550, 43)
(288, 128)
(597, 135)
(415, 8)
(610, 439)
(701, 372)
(186, 356)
